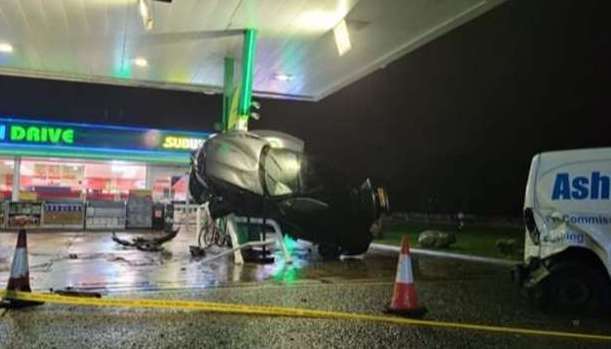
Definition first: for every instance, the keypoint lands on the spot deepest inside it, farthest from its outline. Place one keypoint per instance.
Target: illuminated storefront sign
(171, 142)
(39, 134)
(41, 138)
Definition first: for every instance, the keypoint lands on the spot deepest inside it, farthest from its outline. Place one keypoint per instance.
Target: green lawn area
(479, 241)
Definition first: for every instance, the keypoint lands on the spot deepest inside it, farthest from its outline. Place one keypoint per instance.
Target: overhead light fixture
(141, 62)
(6, 47)
(144, 6)
(342, 38)
(283, 77)
(317, 21)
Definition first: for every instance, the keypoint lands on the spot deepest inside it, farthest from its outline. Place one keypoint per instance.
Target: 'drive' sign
(36, 134)
(78, 139)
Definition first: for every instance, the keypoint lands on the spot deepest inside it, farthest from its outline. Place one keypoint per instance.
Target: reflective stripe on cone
(404, 300)
(19, 280)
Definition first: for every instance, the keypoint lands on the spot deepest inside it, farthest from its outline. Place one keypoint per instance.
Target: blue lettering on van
(581, 219)
(575, 237)
(594, 187)
(570, 237)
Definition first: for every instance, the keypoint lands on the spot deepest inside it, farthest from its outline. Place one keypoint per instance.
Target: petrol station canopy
(306, 49)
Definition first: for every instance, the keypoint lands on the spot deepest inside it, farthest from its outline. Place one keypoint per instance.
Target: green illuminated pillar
(248, 62)
(227, 92)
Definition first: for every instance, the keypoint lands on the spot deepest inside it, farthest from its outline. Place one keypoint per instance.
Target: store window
(73, 179)
(6, 178)
(180, 185)
(169, 183)
(114, 180)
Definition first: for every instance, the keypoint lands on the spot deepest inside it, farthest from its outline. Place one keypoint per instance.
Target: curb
(424, 252)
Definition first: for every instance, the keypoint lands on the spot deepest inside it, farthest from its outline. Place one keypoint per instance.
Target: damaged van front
(567, 216)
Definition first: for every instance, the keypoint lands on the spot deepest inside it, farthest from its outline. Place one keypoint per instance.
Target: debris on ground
(507, 247)
(436, 239)
(72, 292)
(197, 251)
(144, 244)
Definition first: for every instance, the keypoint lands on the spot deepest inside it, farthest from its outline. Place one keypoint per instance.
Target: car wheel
(329, 251)
(356, 248)
(575, 288)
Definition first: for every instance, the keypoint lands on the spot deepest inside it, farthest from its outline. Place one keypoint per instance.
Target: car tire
(357, 248)
(574, 288)
(329, 251)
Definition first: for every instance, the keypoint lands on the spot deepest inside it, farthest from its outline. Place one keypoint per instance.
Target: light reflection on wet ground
(93, 261)
(452, 290)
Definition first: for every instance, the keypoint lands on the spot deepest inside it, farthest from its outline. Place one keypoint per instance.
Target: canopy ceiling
(105, 41)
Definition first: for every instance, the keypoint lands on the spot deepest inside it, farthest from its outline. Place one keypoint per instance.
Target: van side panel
(570, 193)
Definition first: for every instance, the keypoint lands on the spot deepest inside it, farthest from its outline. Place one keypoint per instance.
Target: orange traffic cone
(404, 299)
(19, 280)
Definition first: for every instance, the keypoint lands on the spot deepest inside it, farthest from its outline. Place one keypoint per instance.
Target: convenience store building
(70, 166)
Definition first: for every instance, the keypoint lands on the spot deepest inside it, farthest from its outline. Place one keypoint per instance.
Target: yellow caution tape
(243, 309)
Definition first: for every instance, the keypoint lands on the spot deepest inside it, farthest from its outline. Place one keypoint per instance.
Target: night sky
(449, 127)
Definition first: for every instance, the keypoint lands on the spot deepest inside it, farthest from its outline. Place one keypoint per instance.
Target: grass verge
(472, 240)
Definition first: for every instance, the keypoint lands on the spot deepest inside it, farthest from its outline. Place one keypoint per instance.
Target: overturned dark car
(267, 174)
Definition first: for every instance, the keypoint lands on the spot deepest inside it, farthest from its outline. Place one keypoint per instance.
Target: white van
(567, 213)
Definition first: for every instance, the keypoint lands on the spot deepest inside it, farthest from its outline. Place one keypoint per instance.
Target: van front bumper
(529, 275)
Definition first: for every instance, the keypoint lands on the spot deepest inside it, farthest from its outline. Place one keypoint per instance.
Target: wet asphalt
(452, 290)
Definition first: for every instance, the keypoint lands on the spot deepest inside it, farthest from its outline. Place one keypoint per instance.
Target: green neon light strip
(248, 61)
(227, 92)
(84, 154)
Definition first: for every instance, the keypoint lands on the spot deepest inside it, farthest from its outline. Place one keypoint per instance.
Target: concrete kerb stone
(443, 254)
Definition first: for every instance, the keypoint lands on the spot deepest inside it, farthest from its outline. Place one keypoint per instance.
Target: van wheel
(575, 288)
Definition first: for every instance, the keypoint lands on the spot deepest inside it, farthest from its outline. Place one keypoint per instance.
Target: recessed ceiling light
(6, 47)
(144, 7)
(342, 38)
(283, 77)
(141, 62)
(317, 20)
